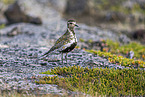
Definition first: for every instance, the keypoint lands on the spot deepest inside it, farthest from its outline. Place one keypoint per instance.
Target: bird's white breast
(73, 37)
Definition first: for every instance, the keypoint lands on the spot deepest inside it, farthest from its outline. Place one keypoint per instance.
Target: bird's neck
(72, 33)
(71, 30)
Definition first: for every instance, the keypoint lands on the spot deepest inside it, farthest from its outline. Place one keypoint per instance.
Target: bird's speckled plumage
(67, 41)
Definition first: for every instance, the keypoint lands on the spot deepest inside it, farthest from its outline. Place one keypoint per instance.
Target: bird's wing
(59, 43)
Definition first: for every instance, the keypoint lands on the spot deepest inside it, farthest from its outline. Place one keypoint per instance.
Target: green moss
(7, 1)
(112, 45)
(117, 53)
(116, 6)
(81, 40)
(95, 81)
(2, 26)
(137, 8)
(119, 60)
(90, 40)
(137, 48)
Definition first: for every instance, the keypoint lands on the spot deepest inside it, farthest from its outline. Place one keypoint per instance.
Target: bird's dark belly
(68, 49)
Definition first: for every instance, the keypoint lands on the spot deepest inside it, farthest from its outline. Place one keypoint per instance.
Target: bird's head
(71, 24)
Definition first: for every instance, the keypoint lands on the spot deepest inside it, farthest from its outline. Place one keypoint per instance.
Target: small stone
(4, 46)
(30, 54)
(1, 61)
(44, 64)
(13, 32)
(40, 52)
(34, 65)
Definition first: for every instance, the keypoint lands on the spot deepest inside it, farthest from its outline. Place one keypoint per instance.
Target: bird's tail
(47, 53)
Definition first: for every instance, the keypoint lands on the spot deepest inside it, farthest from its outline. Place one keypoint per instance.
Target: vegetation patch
(2, 26)
(7, 1)
(95, 81)
(117, 6)
(119, 60)
(137, 48)
(117, 53)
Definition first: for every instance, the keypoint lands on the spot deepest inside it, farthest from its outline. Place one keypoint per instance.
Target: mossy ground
(119, 60)
(116, 6)
(95, 81)
(137, 48)
(116, 53)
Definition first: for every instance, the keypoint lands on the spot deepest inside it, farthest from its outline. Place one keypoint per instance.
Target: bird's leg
(62, 58)
(66, 58)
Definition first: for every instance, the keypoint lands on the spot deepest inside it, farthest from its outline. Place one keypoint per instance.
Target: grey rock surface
(77, 7)
(59, 5)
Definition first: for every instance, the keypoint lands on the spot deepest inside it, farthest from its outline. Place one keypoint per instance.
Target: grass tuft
(95, 81)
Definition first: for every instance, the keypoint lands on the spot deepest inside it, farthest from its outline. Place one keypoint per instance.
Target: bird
(67, 42)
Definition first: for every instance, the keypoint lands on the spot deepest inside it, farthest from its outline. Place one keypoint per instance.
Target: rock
(83, 45)
(4, 46)
(91, 63)
(124, 39)
(20, 28)
(34, 65)
(59, 5)
(128, 4)
(43, 64)
(97, 45)
(115, 16)
(139, 34)
(14, 14)
(3, 21)
(1, 62)
(77, 7)
(14, 31)
(130, 55)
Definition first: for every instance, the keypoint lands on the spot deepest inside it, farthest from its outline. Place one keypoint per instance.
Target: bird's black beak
(76, 25)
